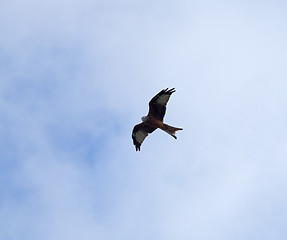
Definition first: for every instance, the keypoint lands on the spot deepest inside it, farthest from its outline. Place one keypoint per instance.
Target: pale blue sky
(76, 76)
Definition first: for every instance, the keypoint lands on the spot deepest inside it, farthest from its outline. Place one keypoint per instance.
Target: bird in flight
(154, 119)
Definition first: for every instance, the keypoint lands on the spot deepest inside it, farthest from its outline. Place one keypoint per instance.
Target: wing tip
(137, 145)
(169, 91)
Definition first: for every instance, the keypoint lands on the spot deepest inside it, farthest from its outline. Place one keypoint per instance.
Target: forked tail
(171, 130)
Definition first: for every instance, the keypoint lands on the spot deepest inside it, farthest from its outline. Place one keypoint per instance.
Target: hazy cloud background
(76, 76)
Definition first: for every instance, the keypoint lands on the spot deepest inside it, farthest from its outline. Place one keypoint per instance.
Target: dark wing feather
(157, 105)
(140, 132)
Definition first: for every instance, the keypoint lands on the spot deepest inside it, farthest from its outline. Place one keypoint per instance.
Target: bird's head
(144, 118)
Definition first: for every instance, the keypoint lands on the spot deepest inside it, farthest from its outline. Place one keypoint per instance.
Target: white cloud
(76, 76)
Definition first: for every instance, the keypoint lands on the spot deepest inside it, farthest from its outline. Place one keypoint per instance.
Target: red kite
(154, 119)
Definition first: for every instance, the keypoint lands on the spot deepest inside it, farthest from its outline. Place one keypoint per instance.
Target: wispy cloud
(75, 78)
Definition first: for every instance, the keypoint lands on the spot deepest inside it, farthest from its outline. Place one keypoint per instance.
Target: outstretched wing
(140, 132)
(157, 105)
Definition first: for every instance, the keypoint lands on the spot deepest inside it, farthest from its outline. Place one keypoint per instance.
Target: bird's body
(154, 119)
(153, 122)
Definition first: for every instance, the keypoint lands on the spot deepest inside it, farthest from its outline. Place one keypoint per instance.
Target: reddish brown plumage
(154, 119)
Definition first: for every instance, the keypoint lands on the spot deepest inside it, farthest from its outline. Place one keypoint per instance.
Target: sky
(76, 76)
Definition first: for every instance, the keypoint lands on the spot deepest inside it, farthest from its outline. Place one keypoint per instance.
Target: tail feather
(171, 130)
